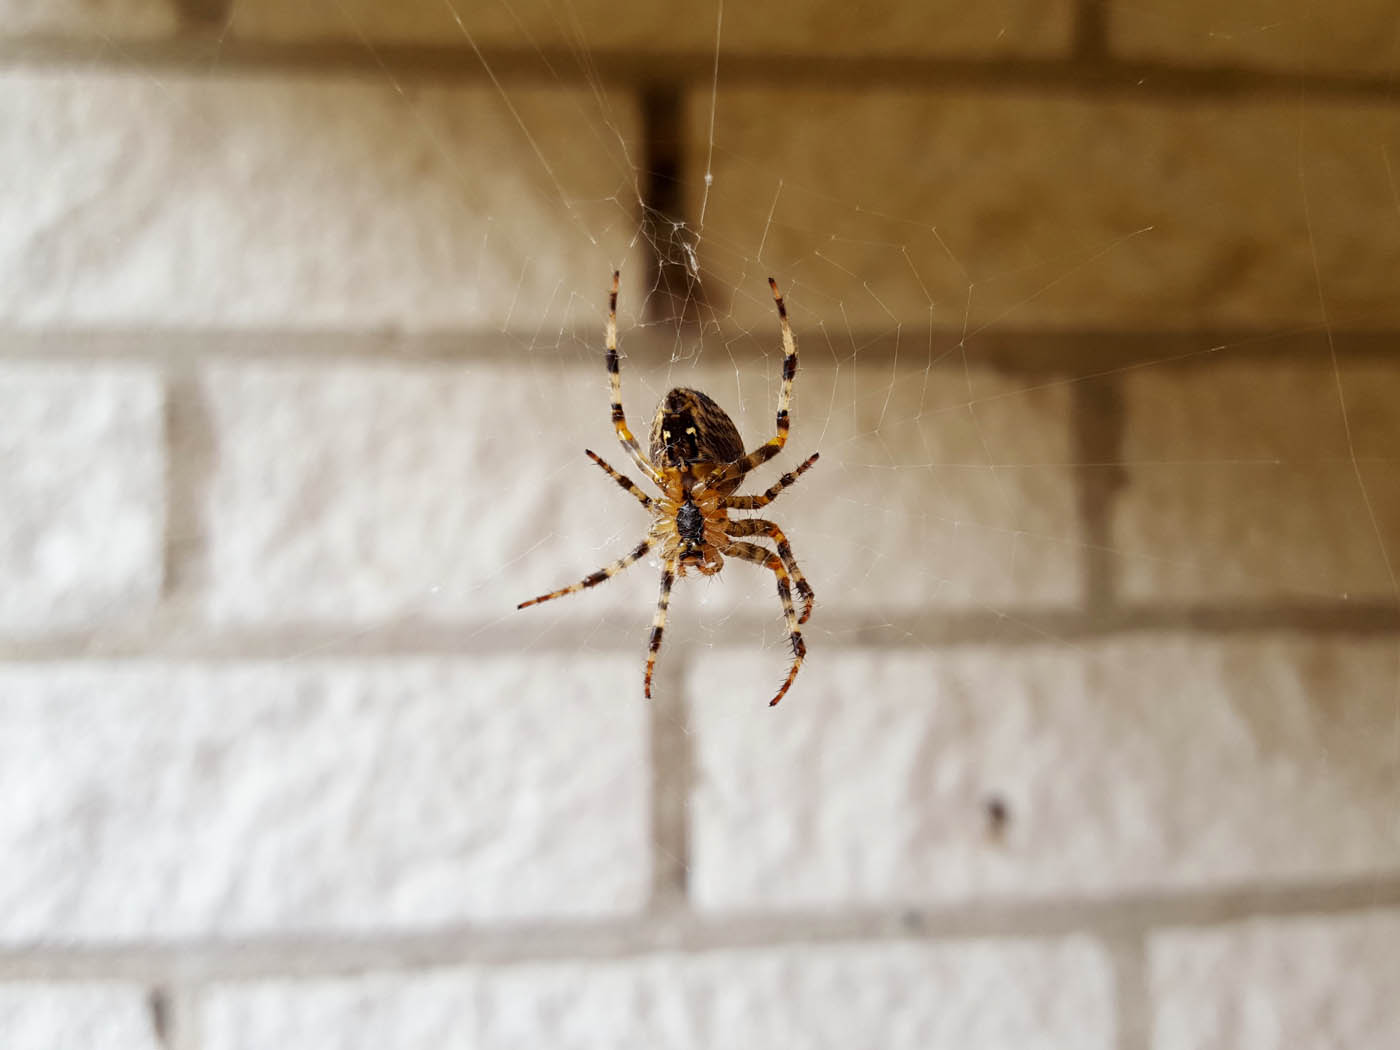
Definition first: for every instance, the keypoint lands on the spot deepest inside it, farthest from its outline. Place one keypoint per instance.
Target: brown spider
(697, 461)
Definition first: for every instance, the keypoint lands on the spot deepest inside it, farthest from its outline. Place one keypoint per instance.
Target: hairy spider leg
(763, 499)
(619, 418)
(756, 554)
(763, 527)
(775, 444)
(658, 625)
(593, 579)
(622, 479)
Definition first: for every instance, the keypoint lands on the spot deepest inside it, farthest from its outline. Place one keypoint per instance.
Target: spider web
(978, 399)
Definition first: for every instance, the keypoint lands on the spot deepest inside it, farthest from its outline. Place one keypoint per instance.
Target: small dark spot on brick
(998, 815)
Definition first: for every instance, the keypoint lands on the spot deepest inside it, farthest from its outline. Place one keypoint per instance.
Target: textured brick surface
(366, 491)
(157, 801)
(82, 484)
(1350, 37)
(828, 26)
(35, 1016)
(304, 202)
(1241, 482)
(448, 491)
(1145, 765)
(1050, 211)
(1329, 981)
(97, 20)
(972, 996)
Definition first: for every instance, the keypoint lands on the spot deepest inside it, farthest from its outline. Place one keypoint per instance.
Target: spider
(697, 461)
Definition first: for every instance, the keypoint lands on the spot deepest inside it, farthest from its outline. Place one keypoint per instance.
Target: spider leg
(754, 502)
(775, 444)
(619, 418)
(596, 578)
(658, 624)
(763, 527)
(626, 482)
(756, 554)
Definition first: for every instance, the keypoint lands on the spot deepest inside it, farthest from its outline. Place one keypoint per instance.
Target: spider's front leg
(619, 418)
(593, 579)
(756, 554)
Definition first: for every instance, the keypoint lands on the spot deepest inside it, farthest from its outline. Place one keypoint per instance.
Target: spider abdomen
(691, 430)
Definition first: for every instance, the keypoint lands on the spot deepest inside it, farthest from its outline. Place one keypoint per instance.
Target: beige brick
(81, 1016)
(1128, 766)
(1352, 37)
(880, 209)
(458, 491)
(82, 486)
(151, 801)
(100, 21)
(1241, 483)
(989, 994)
(1279, 984)
(313, 202)
(821, 28)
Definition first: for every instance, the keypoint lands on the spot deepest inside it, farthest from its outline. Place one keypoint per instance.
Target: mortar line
(197, 963)
(1096, 419)
(208, 55)
(1132, 1002)
(1091, 32)
(1074, 356)
(168, 640)
(671, 765)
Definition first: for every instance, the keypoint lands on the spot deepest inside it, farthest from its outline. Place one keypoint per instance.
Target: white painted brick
(98, 20)
(937, 487)
(1241, 483)
(969, 996)
(82, 483)
(823, 27)
(181, 801)
(1047, 211)
(1154, 765)
(368, 492)
(87, 1016)
(1351, 37)
(317, 201)
(461, 490)
(1271, 984)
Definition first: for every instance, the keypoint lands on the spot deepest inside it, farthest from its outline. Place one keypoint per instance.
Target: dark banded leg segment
(763, 527)
(754, 502)
(626, 482)
(619, 418)
(594, 579)
(756, 554)
(658, 626)
(775, 444)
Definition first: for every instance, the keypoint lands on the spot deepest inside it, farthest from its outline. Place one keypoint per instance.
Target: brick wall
(1098, 742)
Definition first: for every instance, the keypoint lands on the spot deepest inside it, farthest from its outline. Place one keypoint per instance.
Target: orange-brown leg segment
(658, 625)
(756, 554)
(622, 479)
(592, 580)
(763, 527)
(775, 444)
(762, 500)
(619, 418)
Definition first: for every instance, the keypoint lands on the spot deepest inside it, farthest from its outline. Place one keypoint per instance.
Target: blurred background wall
(1098, 740)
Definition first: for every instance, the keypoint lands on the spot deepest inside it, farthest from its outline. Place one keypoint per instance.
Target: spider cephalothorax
(697, 461)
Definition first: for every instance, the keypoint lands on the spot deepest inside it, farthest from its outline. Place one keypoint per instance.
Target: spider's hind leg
(658, 626)
(756, 554)
(763, 527)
